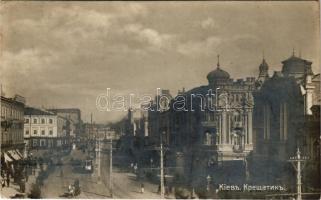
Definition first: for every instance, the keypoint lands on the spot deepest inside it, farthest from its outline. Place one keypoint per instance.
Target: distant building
(12, 117)
(101, 131)
(143, 125)
(87, 128)
(44, 129)
(74, 117)
(263, 73)
(135, 122)
(158, 117)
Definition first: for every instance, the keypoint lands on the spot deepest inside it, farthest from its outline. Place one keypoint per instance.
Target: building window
(27, 121)
(42, 143)
(27, 132)
(43, 132)
(50, 121)
(42, 121)
(35, 143)
(50, 143)
(35, 121)
(35, 132)
(50, 132)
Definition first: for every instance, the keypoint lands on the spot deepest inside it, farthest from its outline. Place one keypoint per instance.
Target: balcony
(238, 148)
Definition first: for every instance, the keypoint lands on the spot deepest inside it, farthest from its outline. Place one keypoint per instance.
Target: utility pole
(1, 135)
(296, 162)
(111, 168)
(91, 125)
(98, 160)
(162, 169)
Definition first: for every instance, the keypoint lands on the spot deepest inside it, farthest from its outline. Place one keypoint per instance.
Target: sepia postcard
(160, 99)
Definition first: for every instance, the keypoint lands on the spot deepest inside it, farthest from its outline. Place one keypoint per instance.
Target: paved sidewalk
(7, 192)
(13, 189)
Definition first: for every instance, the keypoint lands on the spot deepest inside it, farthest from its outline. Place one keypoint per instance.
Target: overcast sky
(64, 54)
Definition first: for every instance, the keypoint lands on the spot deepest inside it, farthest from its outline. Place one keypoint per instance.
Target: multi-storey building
(44, 129)
(12, 116)
(102, 131)
(158, 117)
(282, 120)
(73, 115)
(215, 131)
(208, 129)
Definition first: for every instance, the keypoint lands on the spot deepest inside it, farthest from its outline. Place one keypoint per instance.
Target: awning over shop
(18, 152)
(14, 155)
(7, 158)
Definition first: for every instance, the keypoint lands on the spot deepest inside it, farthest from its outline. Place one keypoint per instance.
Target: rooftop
(36, 111)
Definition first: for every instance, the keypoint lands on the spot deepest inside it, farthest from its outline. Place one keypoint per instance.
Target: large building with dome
(225, 130)
(204, 141)
(244, 131)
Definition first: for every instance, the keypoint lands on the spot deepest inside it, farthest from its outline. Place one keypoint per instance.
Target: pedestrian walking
(22, 185)
(142, 188)
(8, 178)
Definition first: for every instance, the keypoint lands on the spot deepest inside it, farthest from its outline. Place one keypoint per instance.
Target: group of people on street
(5, 176)
(17, 171)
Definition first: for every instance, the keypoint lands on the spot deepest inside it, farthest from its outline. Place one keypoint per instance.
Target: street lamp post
(298, 159)
(162, 168)
(111, 168)
(208, 178)
(99, 160)
(97, 150)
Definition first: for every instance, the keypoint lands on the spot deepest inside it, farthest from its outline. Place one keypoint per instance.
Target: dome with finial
(264, 66)
(217, 74)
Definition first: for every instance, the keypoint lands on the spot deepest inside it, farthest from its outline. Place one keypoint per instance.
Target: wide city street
(93, 185)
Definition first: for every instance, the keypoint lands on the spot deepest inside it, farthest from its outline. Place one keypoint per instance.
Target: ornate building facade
(208, 129)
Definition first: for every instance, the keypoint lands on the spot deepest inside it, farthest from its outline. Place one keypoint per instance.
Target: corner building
(212, 142)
